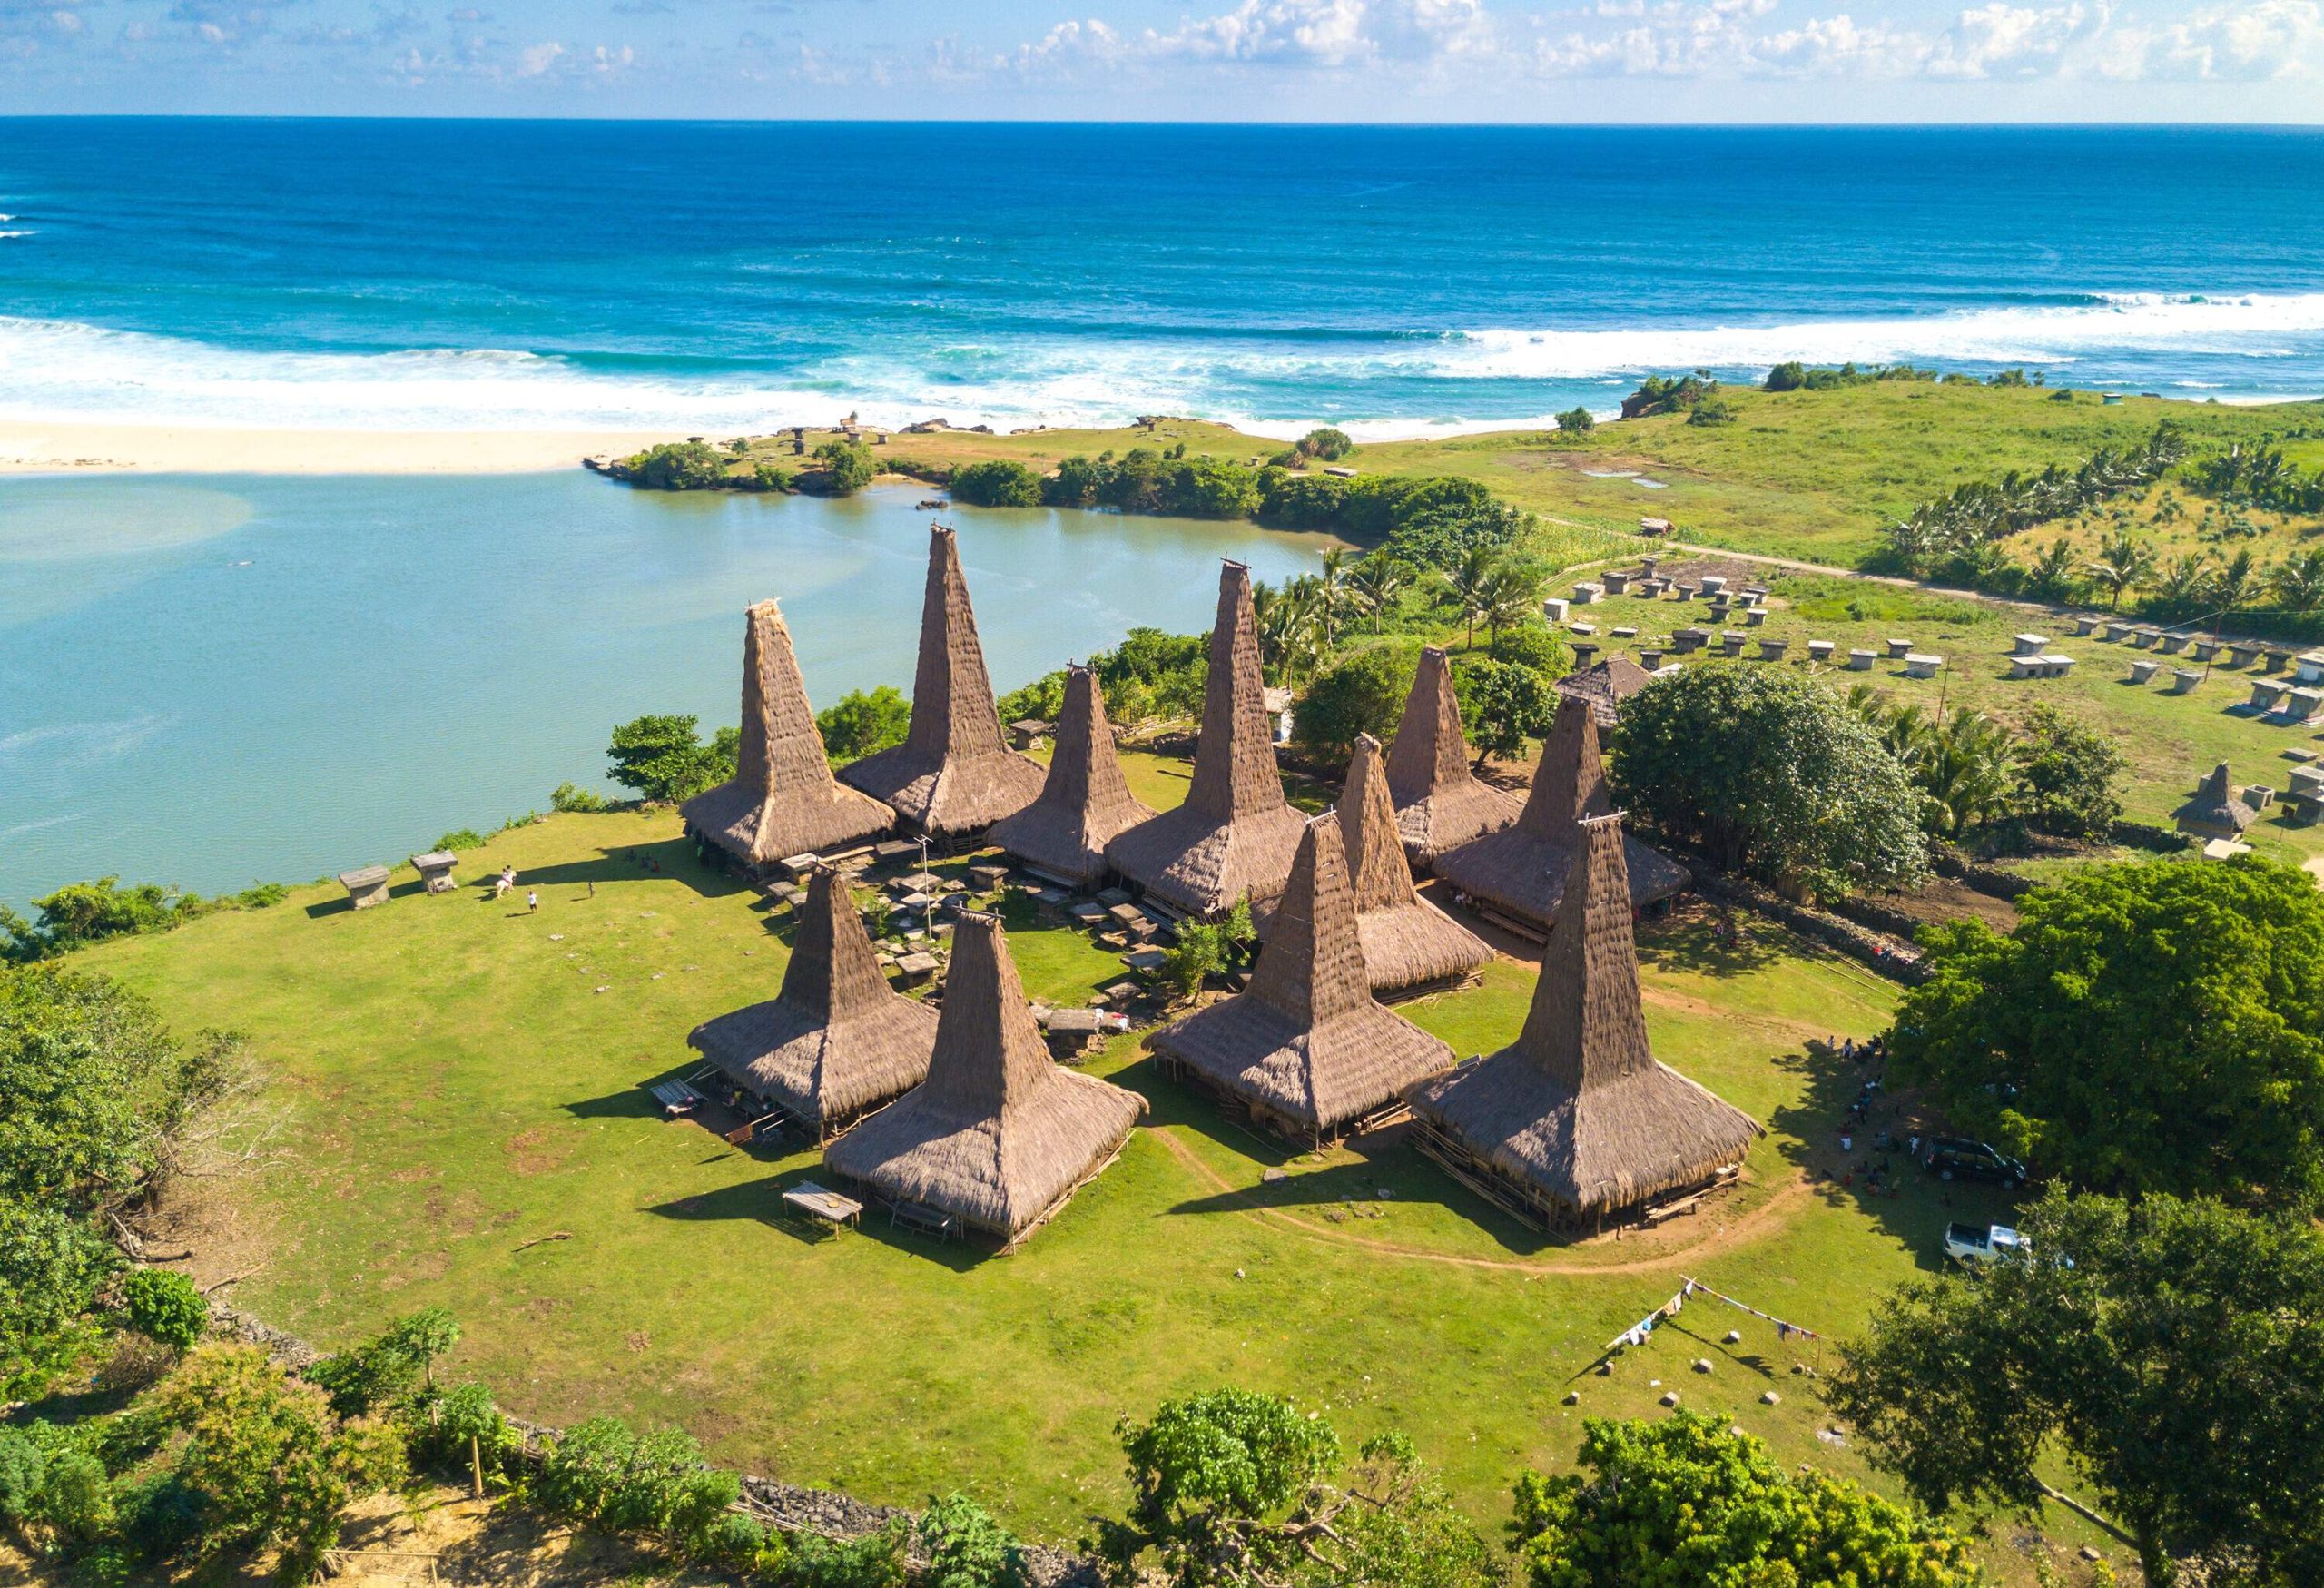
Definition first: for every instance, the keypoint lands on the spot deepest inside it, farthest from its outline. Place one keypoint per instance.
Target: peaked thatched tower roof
(1306, 1044)
(1521, 871)
(1086, 800)
(1440, 804)
(1577, 1116)
(2215, 812)
(838, 1041)
(1234, 835)
(1407, 941)
(997, 1136)
(784, 800)
(953, 773)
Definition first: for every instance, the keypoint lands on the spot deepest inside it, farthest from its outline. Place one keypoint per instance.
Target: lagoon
(211, 682)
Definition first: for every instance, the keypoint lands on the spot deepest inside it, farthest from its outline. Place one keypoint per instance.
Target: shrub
(1209, 487)
(466, 1413)
(572, 797)
(165, 1305)
(51, 1268)
(1301, 501)
(460, 838)
(1576, 420)
(874, 1560)
(1326, 444)
(1712, 411)
(966, 1548)
(386, 1369)
(861, 721)
(1789, 376)
(678, 465)
(1201, 951)
(1664, 394)
(998, 483)
(770, 477)
(23, 1473)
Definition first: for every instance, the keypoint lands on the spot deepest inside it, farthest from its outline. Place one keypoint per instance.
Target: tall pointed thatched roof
(838, 1041)
(2216, 811)
(1521, 871)
(1407, 941)
(1306, 1043)
(1578, 1113)
(997, 1136)
(1086, 800)
(784, 800)
(1440, 804)
(953, 773)
(1234, 835)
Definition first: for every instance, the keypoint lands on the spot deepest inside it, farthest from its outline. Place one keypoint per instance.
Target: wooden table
(818, 1202)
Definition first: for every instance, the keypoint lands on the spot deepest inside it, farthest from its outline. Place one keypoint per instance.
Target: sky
(1683, 61)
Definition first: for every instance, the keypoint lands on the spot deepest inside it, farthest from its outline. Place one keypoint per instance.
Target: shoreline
(72, 447)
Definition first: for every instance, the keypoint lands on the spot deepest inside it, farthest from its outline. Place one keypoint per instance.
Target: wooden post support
(476, 1466)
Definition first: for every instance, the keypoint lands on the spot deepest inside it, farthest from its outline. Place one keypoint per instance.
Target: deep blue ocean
(575, 275)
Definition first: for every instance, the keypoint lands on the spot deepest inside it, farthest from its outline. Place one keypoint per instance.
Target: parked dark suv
(1955, 1157)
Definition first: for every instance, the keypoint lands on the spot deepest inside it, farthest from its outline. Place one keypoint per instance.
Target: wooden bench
(926, 1219)
(675, 1097)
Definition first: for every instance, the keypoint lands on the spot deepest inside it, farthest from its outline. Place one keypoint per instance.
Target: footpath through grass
(458, 1078)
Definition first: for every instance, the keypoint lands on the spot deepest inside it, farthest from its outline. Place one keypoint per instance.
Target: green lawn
(457, 1077)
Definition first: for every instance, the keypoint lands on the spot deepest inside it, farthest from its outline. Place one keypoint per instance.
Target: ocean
(1396, 280)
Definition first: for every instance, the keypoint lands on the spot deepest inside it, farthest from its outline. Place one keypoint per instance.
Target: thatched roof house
(1577, 1120)
(838, 1042)
(2216, 811)
(1603, 687)
(1519, 874)
(784, 800)
(1408, 942)
(996, 1137)
(1440, 804)
(952, 774)
(1086, 800)
(1236, 834)
(1306, 1047)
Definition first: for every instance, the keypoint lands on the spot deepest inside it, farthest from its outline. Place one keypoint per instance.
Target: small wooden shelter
(1577, 1121)
(837, 1041)
(1603, 687)
(783, 800)
(1086, 801)
(1306, 1048)
(953, 776)
(2215, 811)
(1409, 944)
(1236, 834)
(1517, 874)
(997, 1137)
(1439, 803)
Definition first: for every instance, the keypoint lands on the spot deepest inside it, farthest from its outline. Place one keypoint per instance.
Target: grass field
(457, 1077)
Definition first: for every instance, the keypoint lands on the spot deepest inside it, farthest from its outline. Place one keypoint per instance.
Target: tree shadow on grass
(631, 1102)
(760, 1201)
(1701, 940)
(673, 858)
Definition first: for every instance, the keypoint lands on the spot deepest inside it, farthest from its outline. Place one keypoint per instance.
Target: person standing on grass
(532, 901)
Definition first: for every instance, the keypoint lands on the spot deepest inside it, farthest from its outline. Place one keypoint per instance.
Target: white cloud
(2271, 39)
(534, 59)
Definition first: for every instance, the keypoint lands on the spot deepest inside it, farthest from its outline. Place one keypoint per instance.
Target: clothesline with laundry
(1640, 1332)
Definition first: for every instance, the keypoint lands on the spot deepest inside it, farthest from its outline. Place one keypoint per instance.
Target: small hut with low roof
(1440, 804)
(1085, 802)
(1517, 874)
(1409, 944)
(953, 776)
(838, 1042)
(1577, 1120)
(998, 1137)
(1604, 686)
(1236, 834)
(783, 799)
(1306, 1047)
(2216, 811)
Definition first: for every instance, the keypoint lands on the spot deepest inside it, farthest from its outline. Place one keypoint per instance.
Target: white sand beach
(70, 445)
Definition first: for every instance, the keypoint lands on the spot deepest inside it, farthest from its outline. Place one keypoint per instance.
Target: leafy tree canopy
(1326, 444)
(2173, 1349)
(2149, 1026)
(678, 465)
(2066, 777)
(163, 1304)
(1771, 772)
(1503, 705)
(847, 467)
(664, 757)
(1364, 692)
(1685, 1502)
(1001, 482)
(862, 721)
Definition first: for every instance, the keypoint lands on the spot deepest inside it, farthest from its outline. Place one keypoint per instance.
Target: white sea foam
(1405, 385)
(7, 234)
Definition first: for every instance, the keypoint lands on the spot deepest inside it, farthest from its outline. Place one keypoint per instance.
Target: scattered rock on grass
(1771, 1398)
(1670, 1398)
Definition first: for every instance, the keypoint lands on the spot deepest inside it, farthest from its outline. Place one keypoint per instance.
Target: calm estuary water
(212, 681)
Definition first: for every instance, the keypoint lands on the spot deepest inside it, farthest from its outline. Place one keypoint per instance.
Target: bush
(678, 465)
(1662, 394)
(1576, 420)
(1533, 644)
(1712, 411)
(848, 467)
(966, 1548)
(165, 1305)
(1209, 487)
(460, 838)
(999, 483)
(665, 759)
(572, 797)
(862, 722)
(1789, 376)
(1201, 951)
(874, 1560)
(1326, 444)
(465, 1413)
(1362, 692)
(23, 1473)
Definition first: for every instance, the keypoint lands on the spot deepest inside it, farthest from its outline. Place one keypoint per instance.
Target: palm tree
(1513, 593)
(2123, 562)
(2182, 583)
(1327, 588)
(1470, 580)
(2232, 586)
(1964, 771)
(2052, 575)
(1379, 580)
(2299, 582)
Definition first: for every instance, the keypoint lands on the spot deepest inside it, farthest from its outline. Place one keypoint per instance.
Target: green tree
(2125, 562)
(388, 1369)
(678, 465)
(863, 721)
(1770, 771)
(1686, 1502)
(264, 1460)
(966, 1548)
(1000, 482)
(2066, 777)
(1577, 421)
(51, 1267)
(1200, 951)
(1965, 770)
(2149, 1026)
(1042, 700)
(1209, 488)
(1377, 580)
(665, 759)
(2173, 1350)
(163, 1304)
(2298, 582)
(1471, 584)
(2234, 582)
(1362, 692)
(1325, 444)
(1789, 376)
(1503, 705)
(847, 467)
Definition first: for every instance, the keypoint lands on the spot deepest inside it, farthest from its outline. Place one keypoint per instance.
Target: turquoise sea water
(214, 681)
(727, 276)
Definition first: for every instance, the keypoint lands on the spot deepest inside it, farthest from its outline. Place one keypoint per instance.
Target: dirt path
(1785, 1198)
